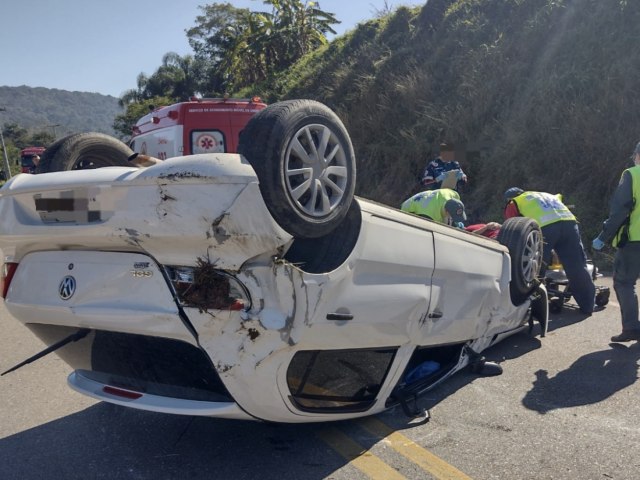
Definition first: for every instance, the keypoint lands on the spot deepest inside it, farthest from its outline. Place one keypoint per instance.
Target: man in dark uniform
(437, 169)
(622, 230)
(560, 232)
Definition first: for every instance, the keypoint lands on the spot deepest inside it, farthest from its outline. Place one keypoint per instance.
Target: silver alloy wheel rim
(532, 256)
(316, 172)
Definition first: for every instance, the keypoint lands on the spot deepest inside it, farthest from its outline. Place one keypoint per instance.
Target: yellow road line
(358, 456)
(412, 451)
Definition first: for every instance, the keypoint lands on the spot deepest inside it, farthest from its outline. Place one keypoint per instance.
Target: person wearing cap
(561, 234)
(438, 168)
(622, 230)
(442, 205)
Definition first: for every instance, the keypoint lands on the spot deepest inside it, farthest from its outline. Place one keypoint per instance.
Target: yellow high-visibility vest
(430, 203)
(633, 230)
(544, 208)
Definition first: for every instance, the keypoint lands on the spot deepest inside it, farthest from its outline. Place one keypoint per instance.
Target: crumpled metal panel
(206, 206)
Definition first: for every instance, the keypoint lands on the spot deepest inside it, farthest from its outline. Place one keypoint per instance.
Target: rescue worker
(442, 205)
(622, 230)
(560, 232)
(436, 171)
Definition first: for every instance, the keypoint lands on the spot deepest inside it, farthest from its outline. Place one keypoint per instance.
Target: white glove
(441, 177)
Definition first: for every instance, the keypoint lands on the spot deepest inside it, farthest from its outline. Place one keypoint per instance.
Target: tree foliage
(177, 77)
(234, 48)
(21, 138)
(16, 138)
(124, 122)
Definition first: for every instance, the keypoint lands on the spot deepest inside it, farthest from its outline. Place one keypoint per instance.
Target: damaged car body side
(196, 295)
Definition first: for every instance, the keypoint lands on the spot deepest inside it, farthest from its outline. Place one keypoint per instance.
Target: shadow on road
(590, 379)
(569, 315)
(110, 442)
(508, 349)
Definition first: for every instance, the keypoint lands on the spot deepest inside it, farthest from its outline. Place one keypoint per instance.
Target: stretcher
(559, 290)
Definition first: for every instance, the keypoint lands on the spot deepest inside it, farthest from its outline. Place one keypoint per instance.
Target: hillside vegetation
(41, 108)
(541, 94)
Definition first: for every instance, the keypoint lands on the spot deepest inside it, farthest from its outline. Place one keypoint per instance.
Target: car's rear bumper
(80, 382)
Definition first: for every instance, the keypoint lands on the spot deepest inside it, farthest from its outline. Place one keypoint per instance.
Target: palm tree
(299, 28)
(137, 94)
(176, 77)
(244, 48)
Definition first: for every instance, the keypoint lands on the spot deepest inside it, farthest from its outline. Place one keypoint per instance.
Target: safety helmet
(512, 193)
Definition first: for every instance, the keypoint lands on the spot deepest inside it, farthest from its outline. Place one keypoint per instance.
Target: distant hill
(42, 108)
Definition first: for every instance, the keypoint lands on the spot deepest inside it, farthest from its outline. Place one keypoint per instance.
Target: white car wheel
(305, 162)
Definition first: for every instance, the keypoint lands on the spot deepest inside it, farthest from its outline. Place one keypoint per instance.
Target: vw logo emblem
(67, 287)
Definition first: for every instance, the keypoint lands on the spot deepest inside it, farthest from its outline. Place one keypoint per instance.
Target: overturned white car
(256, 286)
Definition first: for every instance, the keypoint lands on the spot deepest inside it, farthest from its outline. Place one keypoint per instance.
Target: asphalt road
(566, 407)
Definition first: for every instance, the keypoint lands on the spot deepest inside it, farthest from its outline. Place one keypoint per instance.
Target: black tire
(602, 297)
(523, 238)
(324, 254)
(555, 305)
(305, 163)
(50, 152)
(81, 151)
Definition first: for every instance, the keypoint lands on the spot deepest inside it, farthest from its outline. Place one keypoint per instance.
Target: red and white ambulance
(207, 125)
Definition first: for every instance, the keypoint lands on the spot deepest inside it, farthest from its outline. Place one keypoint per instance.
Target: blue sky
(102, 45)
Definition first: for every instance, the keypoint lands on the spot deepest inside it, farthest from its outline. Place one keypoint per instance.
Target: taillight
(8, 270)
(206, 288)
(120, 392)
